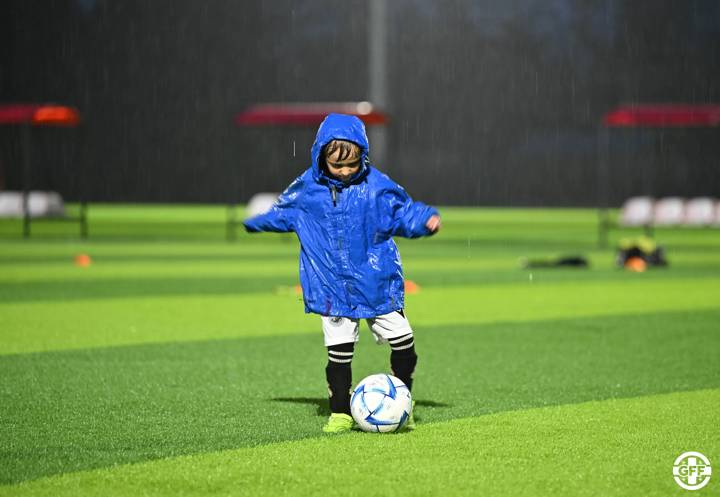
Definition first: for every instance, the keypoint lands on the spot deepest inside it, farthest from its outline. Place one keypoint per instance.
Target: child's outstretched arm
(282, 215)
(408, 218)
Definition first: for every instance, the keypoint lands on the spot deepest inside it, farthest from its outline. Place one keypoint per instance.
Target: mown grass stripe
(199, 279)
(74, 410)
(615, 447)
(30, 327)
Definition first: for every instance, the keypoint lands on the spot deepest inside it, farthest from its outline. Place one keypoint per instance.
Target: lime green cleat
(410, 423)
(338, 423)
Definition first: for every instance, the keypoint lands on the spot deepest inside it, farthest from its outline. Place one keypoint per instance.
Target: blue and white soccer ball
(381, 403)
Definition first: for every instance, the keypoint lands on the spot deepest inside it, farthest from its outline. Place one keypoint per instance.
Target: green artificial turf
(187, 348)
(610, 448)
(129, 404)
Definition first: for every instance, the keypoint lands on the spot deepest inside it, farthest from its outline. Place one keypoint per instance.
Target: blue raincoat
(349, 263)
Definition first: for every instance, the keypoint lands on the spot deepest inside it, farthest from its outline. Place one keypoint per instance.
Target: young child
(345, 213)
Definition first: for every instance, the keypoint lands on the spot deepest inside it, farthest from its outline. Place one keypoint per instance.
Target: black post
(81, 166)
(230, 228)
(602, 187)
(649, 231)
(83, 220)
(26, 169)
(603, 228)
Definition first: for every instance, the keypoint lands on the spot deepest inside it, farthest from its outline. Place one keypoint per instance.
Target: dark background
(491, 103)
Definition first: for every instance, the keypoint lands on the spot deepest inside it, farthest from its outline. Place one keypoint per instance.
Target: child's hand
(433, 224)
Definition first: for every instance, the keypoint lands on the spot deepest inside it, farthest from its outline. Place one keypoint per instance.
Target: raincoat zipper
(334, 195)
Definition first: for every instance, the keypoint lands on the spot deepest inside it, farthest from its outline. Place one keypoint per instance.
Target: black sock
(339, 376)
(403, 358)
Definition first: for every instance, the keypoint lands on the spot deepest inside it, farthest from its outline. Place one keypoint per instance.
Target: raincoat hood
(340, 127)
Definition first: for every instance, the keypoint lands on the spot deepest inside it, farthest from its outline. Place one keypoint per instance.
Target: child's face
(342, 165)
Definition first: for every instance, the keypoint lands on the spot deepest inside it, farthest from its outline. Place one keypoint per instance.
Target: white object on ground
(40, 204)
(700, 211)
(637, 211)
(260, 203)
(670, 211)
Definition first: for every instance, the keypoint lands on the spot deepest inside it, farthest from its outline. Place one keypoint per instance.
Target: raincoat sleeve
(407, 217)
(282, 215)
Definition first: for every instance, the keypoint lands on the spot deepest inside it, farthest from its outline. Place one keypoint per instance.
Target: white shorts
(339, 330)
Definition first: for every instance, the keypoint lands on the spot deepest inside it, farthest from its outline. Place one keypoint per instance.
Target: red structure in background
(669, 115)
(307, 114)
(663, 116)
(39, 115)
(34, 115)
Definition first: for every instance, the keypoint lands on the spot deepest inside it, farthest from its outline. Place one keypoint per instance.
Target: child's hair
(347, 152)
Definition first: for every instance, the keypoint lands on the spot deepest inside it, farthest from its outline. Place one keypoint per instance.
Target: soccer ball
(381, 403)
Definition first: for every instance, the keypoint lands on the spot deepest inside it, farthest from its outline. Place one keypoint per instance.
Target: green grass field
(180, 364)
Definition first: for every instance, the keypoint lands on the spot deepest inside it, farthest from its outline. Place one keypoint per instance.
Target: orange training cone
(636, 264)
(411, 287)
(83, 260)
